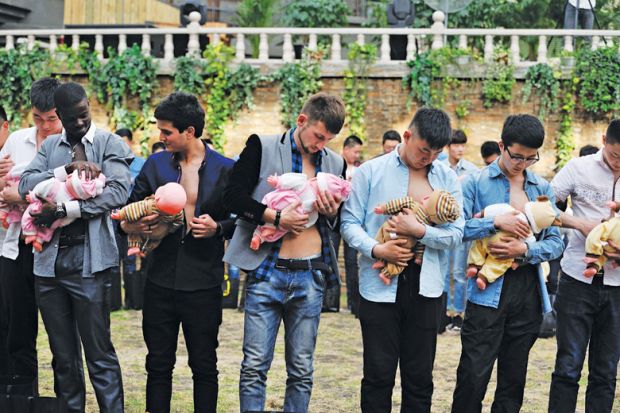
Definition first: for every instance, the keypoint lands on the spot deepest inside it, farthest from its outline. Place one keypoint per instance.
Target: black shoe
(457, 323)
(446, 323)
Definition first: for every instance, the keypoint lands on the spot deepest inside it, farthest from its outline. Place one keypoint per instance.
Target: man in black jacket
(185, 272)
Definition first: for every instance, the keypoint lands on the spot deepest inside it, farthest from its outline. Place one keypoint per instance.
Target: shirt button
(55, 245)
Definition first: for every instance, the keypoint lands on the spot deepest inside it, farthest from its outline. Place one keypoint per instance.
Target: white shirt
(21, 146)
(590, 184)
(583, 4)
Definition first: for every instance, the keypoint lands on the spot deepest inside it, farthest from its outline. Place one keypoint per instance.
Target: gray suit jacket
(276, 158)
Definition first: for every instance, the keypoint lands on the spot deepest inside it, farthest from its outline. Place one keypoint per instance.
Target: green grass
(338, 368)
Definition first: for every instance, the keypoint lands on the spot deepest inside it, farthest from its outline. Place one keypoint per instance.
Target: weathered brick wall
(387, 110)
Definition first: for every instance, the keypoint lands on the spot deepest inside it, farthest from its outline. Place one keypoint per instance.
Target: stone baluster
(385, 48)
(437, 27)
(595, 41)
(193, 45)
(287, 49)
(360, 39)
(515, 49)
(335, 56)
(10, 42)
(168, 48)
(488, 48)
(411, 47)
(98, 46)
(53, 44)
(240, 48)
(312, 42)
(75, 42)
(30, 44)
(542, 49)
(122, 43)
(263, 48)
(568, 43)
(146, 44)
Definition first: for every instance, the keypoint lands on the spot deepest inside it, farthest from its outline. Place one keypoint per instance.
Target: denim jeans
(455, 269)
(294, 297)
(586, 314)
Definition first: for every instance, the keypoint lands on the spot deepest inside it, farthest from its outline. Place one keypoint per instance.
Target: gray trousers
(73, 308)
(585, 16)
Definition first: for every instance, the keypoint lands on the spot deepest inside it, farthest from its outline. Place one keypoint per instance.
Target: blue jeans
(586, 314)
(294, 297)
(455, 268)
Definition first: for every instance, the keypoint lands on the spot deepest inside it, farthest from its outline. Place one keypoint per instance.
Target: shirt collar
(295, 150)
(395, 154)
(90, 135)
(495, 171)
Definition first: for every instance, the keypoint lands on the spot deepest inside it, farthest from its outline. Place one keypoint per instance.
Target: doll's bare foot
(37, 246)
(133, 251)
(378, 265)
(471, 272)
(378, 210)
(481, 283)
(590, 272)
(386, 280)
(589, 260)
(514, 265)
(418, 261)
(255, 243)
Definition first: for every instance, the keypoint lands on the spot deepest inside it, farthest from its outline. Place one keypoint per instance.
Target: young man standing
(185, 272)
(399, 321)
(390, 141)
(456, 259)
(489, 151)
(287, 278)
(72, 282)
(588, 309)
(502, 321)
(17, 279)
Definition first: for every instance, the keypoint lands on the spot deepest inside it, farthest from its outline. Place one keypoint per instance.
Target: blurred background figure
(489, 151)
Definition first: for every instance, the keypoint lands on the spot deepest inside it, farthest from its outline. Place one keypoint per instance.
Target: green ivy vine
(419, 79)
(545, 83)
(499, 79)
(599, 85)
(298, 81)
(565, 142)
(361, 57)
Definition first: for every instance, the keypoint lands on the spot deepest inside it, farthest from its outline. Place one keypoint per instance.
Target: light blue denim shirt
(378, 181)
(463, 167)
(113, 156)
(490, 186)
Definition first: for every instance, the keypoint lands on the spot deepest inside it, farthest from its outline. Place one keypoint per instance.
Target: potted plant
(314, 13)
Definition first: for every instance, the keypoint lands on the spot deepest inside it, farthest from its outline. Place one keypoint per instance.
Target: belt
(301, 265)
(65, 241)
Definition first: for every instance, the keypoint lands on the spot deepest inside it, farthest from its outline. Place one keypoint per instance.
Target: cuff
(366, 248)
(73, 209)
(60, 173)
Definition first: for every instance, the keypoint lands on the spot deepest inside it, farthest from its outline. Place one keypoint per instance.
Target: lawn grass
(338, 368)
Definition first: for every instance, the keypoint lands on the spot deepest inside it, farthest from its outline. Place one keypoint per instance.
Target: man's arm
(354, 212)
(37, 171)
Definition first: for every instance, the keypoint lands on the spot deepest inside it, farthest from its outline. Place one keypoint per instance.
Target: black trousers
(200, 315)
(22, 319)
(403, 332)
(505, 334)
(74, 309)
(4, 330)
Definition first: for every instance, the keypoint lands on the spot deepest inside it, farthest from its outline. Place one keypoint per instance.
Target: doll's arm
(136, 210)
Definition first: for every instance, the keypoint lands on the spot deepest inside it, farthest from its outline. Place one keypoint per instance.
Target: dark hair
(42, 93)
(433, 126)
(391, 135)
(325, 108)
(612, 135)
(526, 130)
(352, 141)
(489, 148)
(183, 110)
(3, 116)
(588, 150)
(124, 132)
(68, 95)
(458, 136)
(158, 145)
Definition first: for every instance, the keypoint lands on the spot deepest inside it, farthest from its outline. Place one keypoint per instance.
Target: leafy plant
(298, 81)
(355, 86)
(565, 141)
(419, 79)
(316, 13)
(499, 79)
(599, 86)
(189, 75)
(543, 81)
(377, 16)
(255, 13)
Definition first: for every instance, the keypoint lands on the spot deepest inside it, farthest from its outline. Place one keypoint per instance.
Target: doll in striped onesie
(168, 201)
(438, 208)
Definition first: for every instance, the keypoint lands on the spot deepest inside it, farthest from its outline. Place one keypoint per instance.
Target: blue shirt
(376, 182)
(490, 186)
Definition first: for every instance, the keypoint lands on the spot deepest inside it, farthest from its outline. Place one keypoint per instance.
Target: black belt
(301, 265)
(66, 241)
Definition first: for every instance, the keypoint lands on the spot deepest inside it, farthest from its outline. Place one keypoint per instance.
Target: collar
(32, 137)
(295, 150)
(90, 135)
(397, 160)
(599, 158)
(175, 155)
(495, 171)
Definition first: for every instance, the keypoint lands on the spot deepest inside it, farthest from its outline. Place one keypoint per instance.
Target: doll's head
(333, 184)
(170, 198)
(541, 214)
(441, 207)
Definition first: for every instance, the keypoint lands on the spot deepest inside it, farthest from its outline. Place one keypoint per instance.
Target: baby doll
(10, 213)
(292, 187)
(168, 201)
(596, 242)
(52, 190)
(539, 215)
(438, 208)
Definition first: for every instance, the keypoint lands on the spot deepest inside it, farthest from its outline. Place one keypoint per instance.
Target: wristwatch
(60, 212)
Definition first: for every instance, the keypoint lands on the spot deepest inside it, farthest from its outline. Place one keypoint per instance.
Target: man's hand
(142, 226)
(507, 248)
(10, 195)
(291, 220)
(393, 251)
(327, 204)
(47, 216)
(406, 224)
(88, 169)
(511, 223)
(5, 165)
(203, 227)
(587, 225)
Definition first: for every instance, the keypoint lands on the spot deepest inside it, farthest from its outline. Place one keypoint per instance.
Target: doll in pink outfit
(56, 192)
(295, 187)
(10, 213)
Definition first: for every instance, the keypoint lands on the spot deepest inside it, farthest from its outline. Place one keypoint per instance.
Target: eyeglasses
(518, 159)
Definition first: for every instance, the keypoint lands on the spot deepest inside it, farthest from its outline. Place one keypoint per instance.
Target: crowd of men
(69, 280)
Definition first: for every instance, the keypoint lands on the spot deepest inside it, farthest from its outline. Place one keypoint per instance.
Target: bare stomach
(303, 245)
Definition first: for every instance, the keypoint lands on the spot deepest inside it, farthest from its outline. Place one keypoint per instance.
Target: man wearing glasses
(502, 321)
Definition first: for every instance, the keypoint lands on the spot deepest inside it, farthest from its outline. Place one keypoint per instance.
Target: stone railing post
(437, 28)
(193, 45)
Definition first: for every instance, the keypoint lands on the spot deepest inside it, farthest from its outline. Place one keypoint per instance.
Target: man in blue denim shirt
(502, 321)
(399, 321)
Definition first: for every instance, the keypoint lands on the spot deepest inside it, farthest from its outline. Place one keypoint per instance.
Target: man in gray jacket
(72, 283)
(287, 278)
